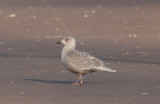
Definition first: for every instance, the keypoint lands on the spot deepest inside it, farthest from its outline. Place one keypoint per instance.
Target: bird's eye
(67, 39)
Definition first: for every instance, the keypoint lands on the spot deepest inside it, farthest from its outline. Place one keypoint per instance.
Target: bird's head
(68, 41)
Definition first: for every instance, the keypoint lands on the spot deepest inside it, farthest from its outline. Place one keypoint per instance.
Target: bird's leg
(79, 80)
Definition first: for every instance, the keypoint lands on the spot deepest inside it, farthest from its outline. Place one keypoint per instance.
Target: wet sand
(123, 33)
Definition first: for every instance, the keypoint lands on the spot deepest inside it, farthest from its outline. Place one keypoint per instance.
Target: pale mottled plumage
(80, 62)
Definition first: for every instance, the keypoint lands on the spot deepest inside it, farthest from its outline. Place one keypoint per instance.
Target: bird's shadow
(50, 81)
(55, 81)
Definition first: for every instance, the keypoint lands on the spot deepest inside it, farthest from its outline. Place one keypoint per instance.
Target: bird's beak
(59, 42)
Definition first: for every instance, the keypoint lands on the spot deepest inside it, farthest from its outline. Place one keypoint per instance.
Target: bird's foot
(77, 84)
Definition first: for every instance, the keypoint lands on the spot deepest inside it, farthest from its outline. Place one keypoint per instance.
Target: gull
(79, 62)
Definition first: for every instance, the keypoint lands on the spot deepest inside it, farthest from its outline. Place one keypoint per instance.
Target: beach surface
(124, 34)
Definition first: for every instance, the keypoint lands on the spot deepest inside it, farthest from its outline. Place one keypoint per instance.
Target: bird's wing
(82, 60)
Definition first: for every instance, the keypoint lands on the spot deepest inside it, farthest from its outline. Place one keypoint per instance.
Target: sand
(125, 34)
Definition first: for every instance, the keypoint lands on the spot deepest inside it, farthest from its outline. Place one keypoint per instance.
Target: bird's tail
(105, 69)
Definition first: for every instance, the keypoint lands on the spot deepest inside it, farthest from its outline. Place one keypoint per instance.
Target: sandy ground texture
(125, 34)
